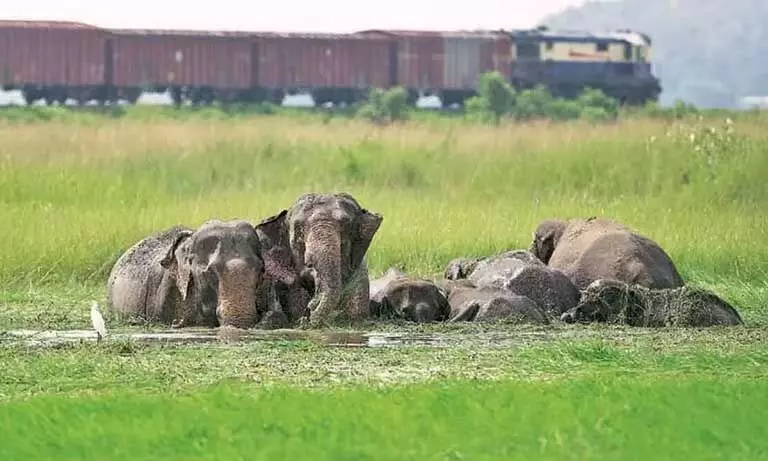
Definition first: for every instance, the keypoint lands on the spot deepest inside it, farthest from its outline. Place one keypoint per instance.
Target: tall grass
(74, 195)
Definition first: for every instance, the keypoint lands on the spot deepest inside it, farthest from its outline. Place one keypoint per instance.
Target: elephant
(521, 273)
(485, 304)
(598, 248)
(376, 285)
(410, 298)
(612, 301)
(462, 268)
(210, 276)
(316, 250)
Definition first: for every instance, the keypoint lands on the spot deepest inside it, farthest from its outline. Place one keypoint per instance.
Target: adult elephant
(211, 276)
(597, 248)
(316, 250)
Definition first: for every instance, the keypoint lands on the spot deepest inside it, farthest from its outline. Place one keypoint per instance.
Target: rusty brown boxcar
(201, 66)
(52, 60)
(331, 67)
(448, 64)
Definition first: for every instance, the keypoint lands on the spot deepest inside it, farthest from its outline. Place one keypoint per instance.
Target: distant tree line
(497, 100)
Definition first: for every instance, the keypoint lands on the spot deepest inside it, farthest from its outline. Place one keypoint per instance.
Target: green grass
(700, 420)
(77, 191)
(557, 393)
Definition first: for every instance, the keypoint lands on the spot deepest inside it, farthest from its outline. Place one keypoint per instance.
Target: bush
(495, 99)
(535, 103)
(597, 105)
(385, 106)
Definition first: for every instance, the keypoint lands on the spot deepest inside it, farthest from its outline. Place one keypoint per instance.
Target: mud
(51, 338)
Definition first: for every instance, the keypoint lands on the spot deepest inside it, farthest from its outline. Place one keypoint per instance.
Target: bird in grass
(98, 321)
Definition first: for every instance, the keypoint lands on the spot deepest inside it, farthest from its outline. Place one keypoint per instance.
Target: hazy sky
(287, 15)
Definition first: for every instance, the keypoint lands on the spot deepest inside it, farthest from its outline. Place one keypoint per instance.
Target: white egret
(98, 321)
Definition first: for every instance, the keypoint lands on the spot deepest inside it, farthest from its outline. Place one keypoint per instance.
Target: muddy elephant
(463, 268)
(316, 251)
(612, 301)
(375, 285)
(209, 276)
(485, 304)
(521, 273)
(596, 248)
(400, 296)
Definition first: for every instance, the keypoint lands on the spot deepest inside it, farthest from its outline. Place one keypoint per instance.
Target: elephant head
(607, 300)
(460, 268)
(545, 238)
(218, 270)
(319, 244)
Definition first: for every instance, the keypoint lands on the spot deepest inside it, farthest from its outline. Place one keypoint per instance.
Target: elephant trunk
(238, 280)
(323, 255)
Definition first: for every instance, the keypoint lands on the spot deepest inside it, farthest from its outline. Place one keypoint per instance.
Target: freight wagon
(56, 61)
(445, 64)
(194, 66)
(332, 68)
(53, 60)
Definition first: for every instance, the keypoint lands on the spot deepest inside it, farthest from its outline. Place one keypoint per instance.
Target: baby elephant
(398, 295)
(519, 272)
(486, 304)
(613, 301)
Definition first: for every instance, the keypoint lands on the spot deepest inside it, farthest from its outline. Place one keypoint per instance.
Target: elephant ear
(368, 225)
(277, 256)
(272, 230)
(170, 262)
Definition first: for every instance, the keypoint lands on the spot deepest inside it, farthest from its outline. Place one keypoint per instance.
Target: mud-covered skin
(409, 298)
(521, 273)
(378, 284)
(596, 248)
(315, 250)
(139, 289)
(508, 261)
(487, 304)
(210, 276)
(611, 301)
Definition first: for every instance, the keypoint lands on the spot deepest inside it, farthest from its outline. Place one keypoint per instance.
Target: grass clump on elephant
(612, 301)
(316, 251)
(211, 276)
(596, 248)
(486, 304)
(521, 273)
(399, 296)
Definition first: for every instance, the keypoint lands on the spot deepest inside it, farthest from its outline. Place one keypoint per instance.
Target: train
(59, 61)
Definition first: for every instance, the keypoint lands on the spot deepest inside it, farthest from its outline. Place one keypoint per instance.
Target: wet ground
(471, 336)
(219, 335)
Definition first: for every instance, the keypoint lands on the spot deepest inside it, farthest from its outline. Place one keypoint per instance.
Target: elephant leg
(296, 304)
(357, 305)
(273, 320)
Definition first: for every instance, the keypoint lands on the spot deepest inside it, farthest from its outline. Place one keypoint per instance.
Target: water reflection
(220, 335)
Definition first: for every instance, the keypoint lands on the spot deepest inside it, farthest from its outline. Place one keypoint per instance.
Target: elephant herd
(305, 267)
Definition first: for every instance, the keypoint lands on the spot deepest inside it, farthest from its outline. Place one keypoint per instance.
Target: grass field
(77, 192)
